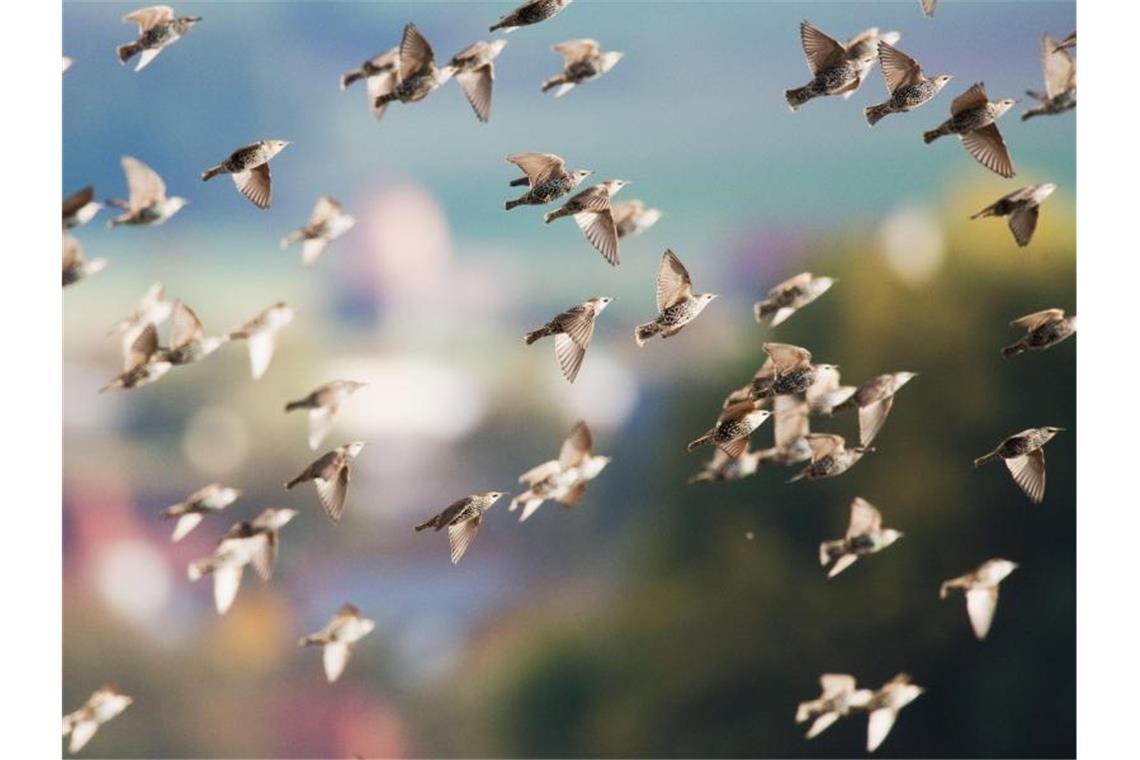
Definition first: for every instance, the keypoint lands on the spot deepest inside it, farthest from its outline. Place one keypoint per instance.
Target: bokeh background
(645, 622)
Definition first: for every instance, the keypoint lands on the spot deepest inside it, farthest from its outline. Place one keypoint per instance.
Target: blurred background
(657, 618)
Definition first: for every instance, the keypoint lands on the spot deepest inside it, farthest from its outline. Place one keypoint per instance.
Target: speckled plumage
(530, 12)
(158, 29)
(1043, 330)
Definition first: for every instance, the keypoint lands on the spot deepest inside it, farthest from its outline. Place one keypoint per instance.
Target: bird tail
(806, 710)
(534, 335)
(128, 51)
(553, 82)
(349, 77)
(198, 568)
(991, 457)
(701, 477)
(1014, 350)
(520, 182)
(762, 309)
(116, 383)
(557, 213)
(1031, 113)
(644, 332)
(830, 550)
(944, 589)
(874, 113)
(1037, 95)
(293, 483)
(798, 97)
(312, 639)
(933, 134)
(212, 172)
(383, 100)
(298, 404)
(704, 440)
(512, 203)
(498, 25)
(431, 523)
(291, 238)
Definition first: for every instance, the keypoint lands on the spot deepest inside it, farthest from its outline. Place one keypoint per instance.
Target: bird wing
(785, 356)
(673, 281)
(537, 166)
(335, 656)
(576, 447)
(799, 281)
(899, 69)
(1028, 472)
(477, 86)
(81, 733)
(734, 449)
(573, 51)
(988, 149)
(312, 250)
(265, 553)
(380, 84)
(1058, 66)
(834, 684)
(821, 51)
(823, 444)
(864, 518)
(77, 200)
(980, 606)
(871, 419)
(415, 52)
(459, 537)
(975, 97)
(255, 184)
(601, 230)
(1022, 223)
(333, 493)
(1036, 319)
(325, 211)
(541, 472)
(821, 724)
(227, 580)
(791, 421)
(143, 183)
(185, 327)
(879, 724)
(627, 210)
(578, 322)
(570, 356)
(261, 347)
(143, 348)
(72, 251)
(148, 18)
(320, 422)
(929, 6)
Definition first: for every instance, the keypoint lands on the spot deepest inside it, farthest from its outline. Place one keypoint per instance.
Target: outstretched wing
(143, 183)
(988, 149)
(415, 52)
(673, 281)
(148, 18)
(899, 69)
(538, 166)
(821, 51)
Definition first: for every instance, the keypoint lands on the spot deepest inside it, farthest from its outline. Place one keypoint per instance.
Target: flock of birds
(790, 387)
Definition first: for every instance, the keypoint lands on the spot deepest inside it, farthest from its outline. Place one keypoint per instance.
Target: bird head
(275, 146)
(274, 518)
(493, 496)
(827, 368)
(889, 536)
(1052, 431)
(902, 378)
(228, 495)
(1003, 105)
(704, 298)
(996, 570)
(593, 465)
(580, 174)
(610, 59)
(354, 448)
(612, 186)
(496, 46)
(600, 303)
(1041, 192)
(941, 81)
(174, 204)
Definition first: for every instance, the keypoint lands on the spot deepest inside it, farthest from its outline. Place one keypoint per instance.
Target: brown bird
(572, 331)
(865, 535)
(462, 519)
(826, 394)
(632, 217)
(908, 86)
(261, 332)
(1060, 72)
(246, 543)
(338, 638)
(143, 365)
(677, 305)
(188, 340)
(158, 29)
(546, 176)
(981, 588)
(190, 511)
(790, 296)
(884, 707)
(1043, 329)
(838, 699)
(563, 479)
(530, 12)
(582, 61)
(323, 405)
(874, 400)
(974, 119)
(147, 204)
(76, 266)
(724, 467)
(1022, 207)
(80, 207)
(326, 224)
(417, 76)
(732, 428)
(379, 74)
(832, 71)
(829, 457)
(475, 71)
(249, 167)
(591, 211)
(330, 475)
(792, 371)
(1024, 455)
(102, 706)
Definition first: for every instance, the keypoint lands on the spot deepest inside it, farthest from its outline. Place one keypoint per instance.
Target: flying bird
(832, 71)
(865, 535)
(1060, 72)
(981, 590)
(974, 119)
(838, 699)
(323, 405)
(928, 6)
(572, 330)
(188, 340)
(327, 223)
(246, 543)
(863, 50)
(249, 167)
(582, 60)
(76, 266)
(563, 479)
(530, 12)
(417, 76)
(732, 428)
(792, 371)
(147, 204)
(1024, 455)
(151, 308)
(724, 467)
(474, 68)
(874, 400)
(632, 218)
(829, 457)
(908, 86)
(462, 519)
(593, 215)
(261, 331)
(1043, 329)
(379, 74)
(547, 177)
(1022, 207)
(884, 707)
(190, 511)
(105, 704)
(143, 365)
(790, 296)
(338, 639)
(80, 207)
(677, 305)
(158, 29)
(329, 474)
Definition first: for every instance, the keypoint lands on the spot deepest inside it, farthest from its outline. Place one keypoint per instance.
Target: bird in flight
(417, 76)
(790, 296)
(330, 474)
(246, 543)
(190, 511)
(981, 591)
(839, 698)
(974, 119)
(563, 479)
(1060, 71)
(908, 86)
(158, 29)
(474, 68)
(1022, 207)
(323, 404)
(1043, 329)
(865, 535)
(249, 167)
(462, 519)
(101, 707)
(1024, 455)
(338, 639)
(677, 305)
(573, 330)
(833, 72)
(582, 60)
(530, 12)
(326, 224)
(147, 204)
(592, 213)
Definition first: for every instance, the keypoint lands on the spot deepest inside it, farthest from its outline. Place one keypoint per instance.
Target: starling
(101, 707)
(416, 73)
(974, 119)
(839, 698)
(791, 295)
(547, 176)
(76, 266)
(247, 542)
(908, 86)
(1068, 42)
(338, 638)
(158, 29)
(1043, 329)
(143, 365)
(1060, 72)
(582, 60)
(1024, 455)
(981, 589)
(80, 207)
(826, 394)
(212, 498)
(632, 218)
(791, 372)
(530, 12)
(249, 167)
(732, 428)
(884, 707)
(379, 75)
(724, 467)
(1022, 207)
(572, 331)
(152, 307)
(829, 457)
(330, 475)
(865, 535)
(326, 224)
(928, 6)
(262, 334)
(474, 68)
(462, 519)
(148, 204)
(677, 305)
(563, 479)
(874, 399)
(323, 405)
(591, 211)
(834, 73)
(188, 341)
